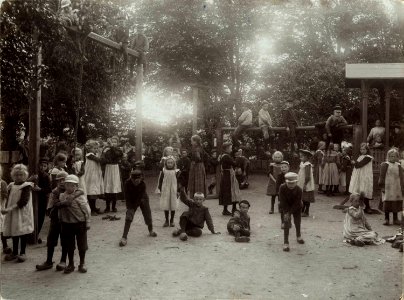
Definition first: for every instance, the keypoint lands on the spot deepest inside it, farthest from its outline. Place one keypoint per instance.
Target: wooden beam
(387, 97)
(279, 129)
(110, 44)
(139, 103)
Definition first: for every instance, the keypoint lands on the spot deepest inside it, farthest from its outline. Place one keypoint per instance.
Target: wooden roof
(354, 73)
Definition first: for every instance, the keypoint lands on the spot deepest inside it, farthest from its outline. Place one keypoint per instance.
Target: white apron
(19, 221)
(93, 177)
(168, 197)
(362, 179)
(392, 183)
(112, 179)
(302, 175)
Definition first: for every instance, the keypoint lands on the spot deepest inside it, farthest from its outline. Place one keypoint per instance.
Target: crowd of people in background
(71, 184)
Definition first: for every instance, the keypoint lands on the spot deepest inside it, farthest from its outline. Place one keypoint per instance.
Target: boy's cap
(136, 174)
(61, 175)
(337, 107)
(291, 177)
(284, 162)
(72, 179)
(43, 160)
(305, 152)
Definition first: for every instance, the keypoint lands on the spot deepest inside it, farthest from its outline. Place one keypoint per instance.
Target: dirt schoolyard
(214, 266)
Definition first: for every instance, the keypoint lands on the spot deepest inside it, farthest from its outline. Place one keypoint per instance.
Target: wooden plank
(301, 128)
(110, 44)
(374, 71)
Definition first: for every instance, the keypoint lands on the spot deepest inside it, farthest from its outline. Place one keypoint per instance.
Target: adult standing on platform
(197, 174)
(334, 127)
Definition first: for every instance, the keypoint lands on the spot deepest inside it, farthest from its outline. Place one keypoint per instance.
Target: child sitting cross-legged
(192, 221)
(239, 224)
(357, 230)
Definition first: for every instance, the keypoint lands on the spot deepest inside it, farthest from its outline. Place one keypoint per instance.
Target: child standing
(346, 170)
(18, 211)
(168, 151)
(391, 182)
(229, 191)
(93, 175)
(78, 167)
(197, 174)
(3, 199)
(274, 171)
(318, 166)
(306, 181)
(74, 215)
(168, 188)
(112, 177)
(362, 176)
(279, 181)
(290, 197)
(55, 226)
(184, 163)
(239, 224)
(43, 188)
(59, 164)
(339, 154)
(192, 221)
(330, 170)
(136, 196)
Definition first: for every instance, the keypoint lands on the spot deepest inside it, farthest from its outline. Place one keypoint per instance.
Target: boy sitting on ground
(192, 221)
(239, 224)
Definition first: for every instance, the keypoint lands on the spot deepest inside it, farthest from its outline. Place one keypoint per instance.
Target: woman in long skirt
(197, 174)
(229, 190)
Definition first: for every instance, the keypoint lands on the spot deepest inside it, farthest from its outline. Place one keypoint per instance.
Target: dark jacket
(290, 201)
(239, 219)
(134, 194)
(197, 214)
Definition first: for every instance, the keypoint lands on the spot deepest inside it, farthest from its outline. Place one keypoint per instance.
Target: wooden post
(364, 109)
(139, 101)
(195, 109)
(387, 96)
(34, 140)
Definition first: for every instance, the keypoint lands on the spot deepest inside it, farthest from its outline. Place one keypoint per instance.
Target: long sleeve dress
(391, 180)
(229, 189)
(318, 166)
(112, 177)
(330, 171)
(362, 177)
(93, 175)
(274, 171)
(197, 174)
(168, 188)
(305, 181)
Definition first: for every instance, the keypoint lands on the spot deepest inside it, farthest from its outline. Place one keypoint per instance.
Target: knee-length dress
(19, 221)
(112, 176)
(197, 174)
(362, 177)
(78, 168)
(168, 188)
(307, 186)
(93, 175)
(391, 180)
(318, 166)
(229, 189)
(330, 170)
(274, 170)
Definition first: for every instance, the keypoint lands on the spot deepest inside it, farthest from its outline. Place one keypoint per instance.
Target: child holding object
(391, 182)
(192, 221)
(357, 230)
(239, 224)
(290, 197)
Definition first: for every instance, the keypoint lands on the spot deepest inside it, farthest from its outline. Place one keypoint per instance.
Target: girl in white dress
(391, 183)
(168, 188)
(362, 176)
(93, 175)
(305, 180)
(78, 168)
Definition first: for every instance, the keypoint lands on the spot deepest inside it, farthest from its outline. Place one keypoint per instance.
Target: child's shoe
(69, 269)
(177, 232)
(21, 258)
(286, 247)
(45, 266)
(166, 224)
(10, 257)
(359, 243)
(123, 242)
(300, 240)
(172, 224)
(82, 269)
(7, 250)
(107, 210)
(226, 213)
(183, 236)
(61, 266)
(152, 234)
(271, 212)
(242, 239)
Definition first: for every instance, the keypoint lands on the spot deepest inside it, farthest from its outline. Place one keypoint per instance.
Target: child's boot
(114, 206)
(300, 240)
(320, 189)
(183, 236)
(82, 268)
(395, 219)
(108, 206)
(45, 266)
(386, 219)
(272, 205)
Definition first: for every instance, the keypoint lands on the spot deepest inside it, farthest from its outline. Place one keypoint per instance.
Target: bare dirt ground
(214, 266)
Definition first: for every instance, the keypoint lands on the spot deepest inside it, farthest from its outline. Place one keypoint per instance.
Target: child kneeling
(239, 224)
(192, 221)
(74, 214)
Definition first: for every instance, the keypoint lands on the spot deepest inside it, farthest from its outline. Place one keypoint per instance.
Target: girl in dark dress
(197, 174)
(229, 190)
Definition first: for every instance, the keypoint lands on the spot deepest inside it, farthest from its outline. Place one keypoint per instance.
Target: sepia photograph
(201, 149)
